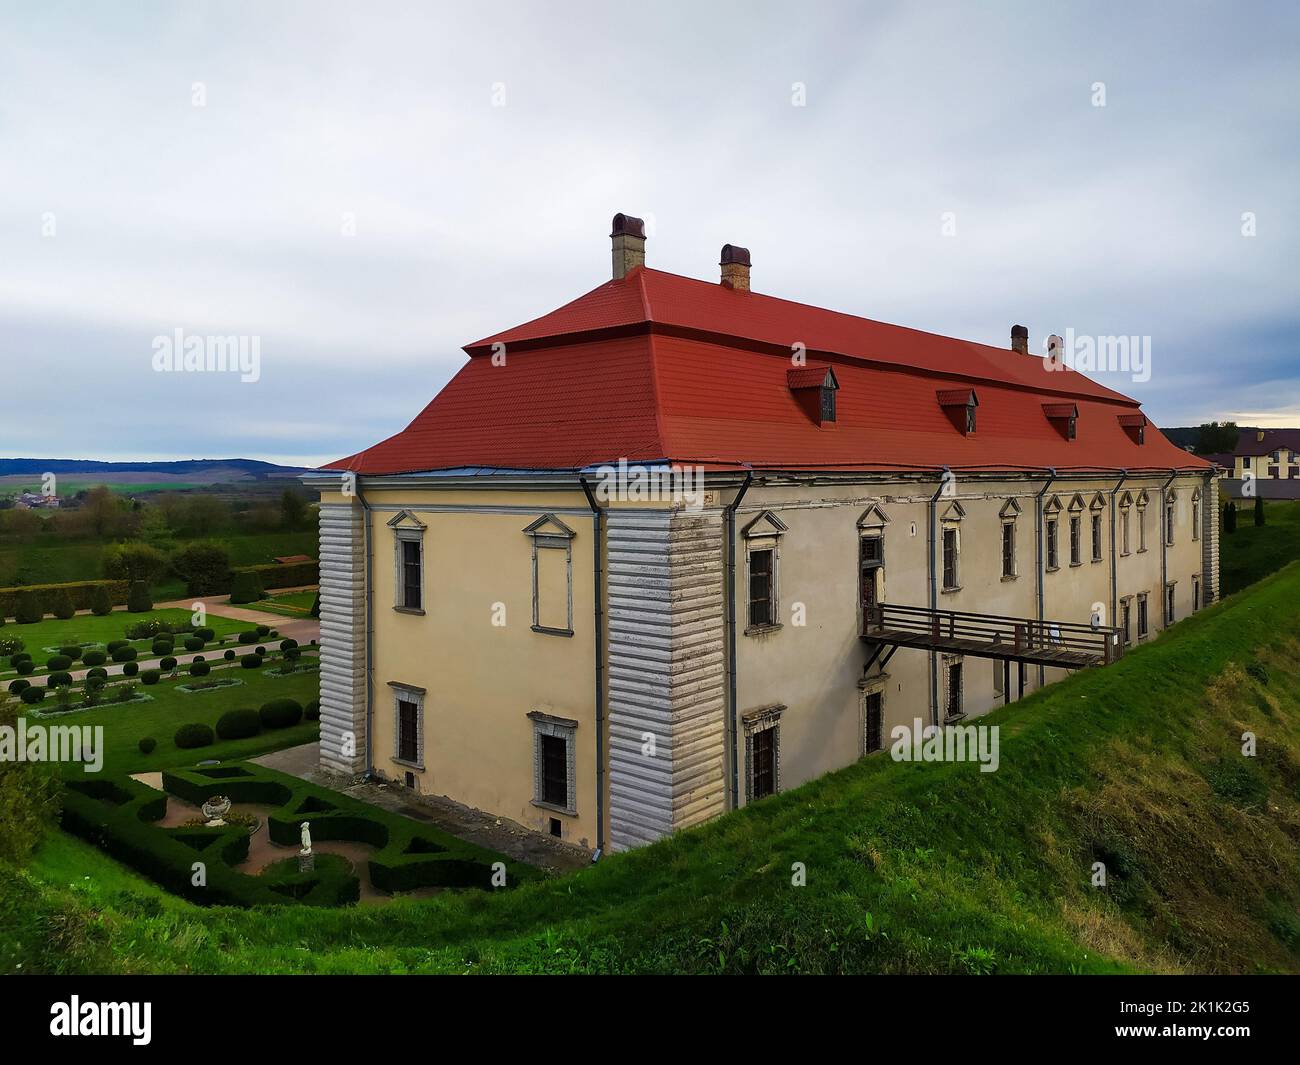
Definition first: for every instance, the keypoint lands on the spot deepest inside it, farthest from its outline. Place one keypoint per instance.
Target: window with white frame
(871, 561)
(408, 562)
(1142, 522)
(555, 783)
(552, 562)
(408, 724)
(953, 695)
(1170, 509)
(950, 543)
(1008, 514)
(1125, 514)
(762, 538)
(1196, 514)
(1051, 519)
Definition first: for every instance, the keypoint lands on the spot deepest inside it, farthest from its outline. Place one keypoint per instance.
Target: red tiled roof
(956, 397)
(1060, 410)
(659, 367)
(810, 376)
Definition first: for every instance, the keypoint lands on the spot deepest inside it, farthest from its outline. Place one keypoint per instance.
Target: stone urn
(214, 809)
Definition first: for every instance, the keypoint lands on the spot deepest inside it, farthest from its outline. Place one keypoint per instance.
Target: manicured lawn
(289, 604)
(1254, 551)
(126, 725)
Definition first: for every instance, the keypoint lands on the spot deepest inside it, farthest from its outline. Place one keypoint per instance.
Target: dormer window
(1064, 417)
(1136, 427)
(959, 405)
(814, 388)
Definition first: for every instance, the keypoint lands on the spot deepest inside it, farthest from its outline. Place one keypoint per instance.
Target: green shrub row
(117, 815)
(41, 598)
(409, 854)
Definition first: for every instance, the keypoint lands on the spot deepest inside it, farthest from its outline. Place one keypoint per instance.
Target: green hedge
(409, 854)
(81, 592)
(275, 575)
(117, 816)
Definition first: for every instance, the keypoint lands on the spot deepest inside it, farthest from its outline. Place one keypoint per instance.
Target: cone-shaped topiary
(138, 599)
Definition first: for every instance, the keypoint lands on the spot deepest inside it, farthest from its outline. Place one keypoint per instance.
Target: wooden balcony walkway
(1026, 640)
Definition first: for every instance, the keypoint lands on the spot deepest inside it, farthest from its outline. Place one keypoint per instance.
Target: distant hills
(201, 471)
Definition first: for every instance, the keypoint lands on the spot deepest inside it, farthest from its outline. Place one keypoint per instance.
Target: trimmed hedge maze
(116, 815)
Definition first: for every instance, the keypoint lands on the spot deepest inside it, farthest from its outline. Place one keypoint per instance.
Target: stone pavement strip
(495, 833)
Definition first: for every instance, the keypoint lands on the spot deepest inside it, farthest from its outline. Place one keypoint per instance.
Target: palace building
(679, 545)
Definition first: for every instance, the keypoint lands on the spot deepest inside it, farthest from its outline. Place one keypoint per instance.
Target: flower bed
(208, 686)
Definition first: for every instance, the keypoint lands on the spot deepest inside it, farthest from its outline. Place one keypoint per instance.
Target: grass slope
(1254, 551)
(910, 867)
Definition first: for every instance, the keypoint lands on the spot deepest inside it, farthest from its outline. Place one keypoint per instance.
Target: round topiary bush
(248, 637)
(124, 654)
(58, 662)
(29, 609)
(250, 662)
(260, 650)
(263, 630)
(193, 643)
(285, 645)
(193, 735)
(61, 605)
(167, 664)
(147, 744)
(16, 687)
(32, 695)
(239, 724)
(280, 713)
(162, 647)
(229, 654)
(59, 679)
(19, 656)
(130, 669)
(72, 650)
(113, 645)
(94, 658)
(25, 667)
(199, 669)
(206, 635)
(96, 671)
(150, 676)
(311, 711)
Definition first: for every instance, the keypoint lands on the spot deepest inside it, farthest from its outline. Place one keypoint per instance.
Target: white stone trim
(558, 728)
(343, 736)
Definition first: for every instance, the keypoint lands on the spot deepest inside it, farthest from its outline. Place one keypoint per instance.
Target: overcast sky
(477, 151)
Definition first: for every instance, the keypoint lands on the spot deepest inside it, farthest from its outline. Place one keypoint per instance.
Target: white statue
(306, 837)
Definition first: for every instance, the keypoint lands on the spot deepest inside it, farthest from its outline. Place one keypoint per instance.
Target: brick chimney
(735, 267)
(628, 236)
(1020, 340)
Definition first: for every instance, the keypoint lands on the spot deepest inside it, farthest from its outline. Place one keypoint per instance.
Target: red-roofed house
(678, 545)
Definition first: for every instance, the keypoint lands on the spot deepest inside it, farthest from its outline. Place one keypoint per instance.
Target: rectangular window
(411, 583)
(1124, 529)
(871, 553)
(555, 770)
(761, 587)
(1126, 620)
(1142, 528)
(1075, 558)
(1169, 524)
(1196, 594)
(1169, 605)
(1096, 537)
(875, 722)
(764, 763)
(954, 689)
(828, 404)
(1052, 560)
(408, 730)
(1196, 519)
(1008, 549)
(950, 558)
(1273, 471)
(1142, 615)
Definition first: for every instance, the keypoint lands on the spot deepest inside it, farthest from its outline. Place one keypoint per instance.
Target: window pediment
(404, 519)
(955, 512)
(765, 524)
(548, 525)
(1098, 502)
(1010, 510)
(873, 518)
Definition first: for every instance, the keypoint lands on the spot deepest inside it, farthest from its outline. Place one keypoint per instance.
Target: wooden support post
(1006, 681)
(1021, 692)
